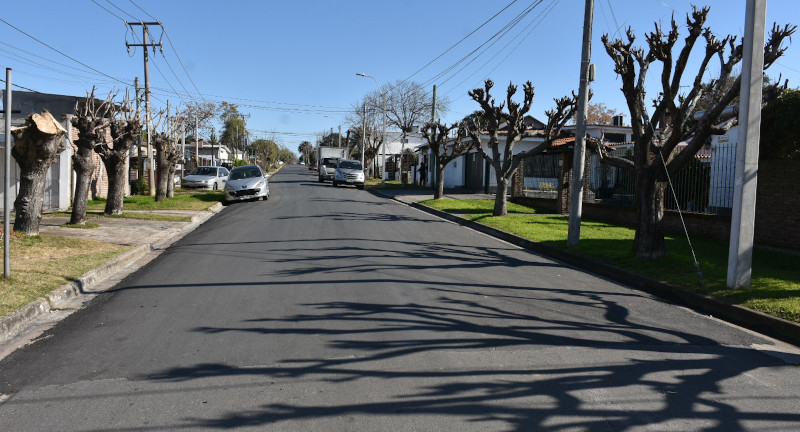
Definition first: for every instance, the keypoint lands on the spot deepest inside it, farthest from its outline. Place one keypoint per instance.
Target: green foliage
(233, 125)
(780, 127)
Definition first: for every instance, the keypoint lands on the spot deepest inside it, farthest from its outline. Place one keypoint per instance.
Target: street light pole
(383, 129)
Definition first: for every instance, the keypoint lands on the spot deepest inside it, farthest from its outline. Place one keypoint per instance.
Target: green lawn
(775, 285)
(183, 200)
(40, 264)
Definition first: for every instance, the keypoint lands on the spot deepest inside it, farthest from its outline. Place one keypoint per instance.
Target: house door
(473, 172)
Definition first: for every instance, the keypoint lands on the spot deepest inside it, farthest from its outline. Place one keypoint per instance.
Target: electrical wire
(502, 31)
(64, 54)
(462, 40)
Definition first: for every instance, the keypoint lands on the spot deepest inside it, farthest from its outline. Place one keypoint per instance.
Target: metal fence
(705, 185)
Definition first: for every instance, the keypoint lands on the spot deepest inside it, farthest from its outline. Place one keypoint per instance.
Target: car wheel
(360, 187)
(321, 180)
(334, 183)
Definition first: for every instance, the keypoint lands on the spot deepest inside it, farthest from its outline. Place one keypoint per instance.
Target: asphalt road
(331, 309)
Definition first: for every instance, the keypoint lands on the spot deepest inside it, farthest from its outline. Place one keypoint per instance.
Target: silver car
(206, 178)
(245, 183)
(349, 172)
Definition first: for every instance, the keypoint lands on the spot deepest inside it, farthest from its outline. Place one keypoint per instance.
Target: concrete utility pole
(579, 156)
(148, 113)
(7, 178)
(363, 134)
(740, 252)
(196, 142)
(432, 160)
(140, 163)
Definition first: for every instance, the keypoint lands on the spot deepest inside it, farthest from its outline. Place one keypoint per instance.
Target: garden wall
(777, 210)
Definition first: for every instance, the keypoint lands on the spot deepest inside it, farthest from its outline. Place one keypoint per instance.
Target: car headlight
(228, 188)
(259, 185)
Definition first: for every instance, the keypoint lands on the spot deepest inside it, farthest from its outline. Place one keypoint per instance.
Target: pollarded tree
(124, 126)
(165, 143)
(445, 148)
(36, 146)
(91, 123)
(656, 135)
(512, 123)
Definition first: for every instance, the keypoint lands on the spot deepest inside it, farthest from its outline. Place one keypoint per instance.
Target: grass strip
(775, 285)
(40, 264)
(183, 200)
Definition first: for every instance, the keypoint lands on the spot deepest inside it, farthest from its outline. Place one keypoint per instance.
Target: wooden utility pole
(148, 113)
(579, 156)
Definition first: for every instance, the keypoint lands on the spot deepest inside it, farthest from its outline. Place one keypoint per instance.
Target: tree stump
(36, 147)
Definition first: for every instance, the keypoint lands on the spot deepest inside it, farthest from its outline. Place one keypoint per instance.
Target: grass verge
(40, 264)
(123, 215)
(775, 286)
(183, 200)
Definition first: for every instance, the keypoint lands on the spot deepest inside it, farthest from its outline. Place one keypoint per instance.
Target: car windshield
(329, 162)
(204, 171)
(353, 165)
(238, 174)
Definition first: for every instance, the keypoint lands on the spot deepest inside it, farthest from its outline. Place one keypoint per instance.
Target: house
(58, 186)
(210, 154)
(399, 143)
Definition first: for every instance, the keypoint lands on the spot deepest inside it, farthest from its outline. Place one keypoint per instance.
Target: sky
(291, 65)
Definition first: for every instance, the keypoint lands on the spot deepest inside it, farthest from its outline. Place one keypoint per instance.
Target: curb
(769, 325)
(16, 322)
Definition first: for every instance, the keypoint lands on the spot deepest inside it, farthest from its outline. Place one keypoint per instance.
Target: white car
(206, 177)
(246, 183)
(349, 172)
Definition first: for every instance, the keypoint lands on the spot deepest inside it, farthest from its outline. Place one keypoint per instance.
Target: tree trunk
(500, 200)
(115, 170)
(438, 192)
(649, 239)
(83, 165)
(162, 167)
(564, 180)
(90, 133)
(36, 147)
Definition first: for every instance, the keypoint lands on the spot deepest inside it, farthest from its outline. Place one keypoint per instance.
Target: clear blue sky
(292, 63)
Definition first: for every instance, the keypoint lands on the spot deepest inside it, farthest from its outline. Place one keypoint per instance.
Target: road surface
(332, 309)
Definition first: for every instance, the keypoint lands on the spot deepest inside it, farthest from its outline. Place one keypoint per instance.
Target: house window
(615, 137)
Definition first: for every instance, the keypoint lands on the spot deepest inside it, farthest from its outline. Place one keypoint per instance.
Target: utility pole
(740, 252)
(432, 158)
(183, 148)
(196, 142)
(579, 156)
(363, 134)
(140, 163)
(7, 178)
(148, 114)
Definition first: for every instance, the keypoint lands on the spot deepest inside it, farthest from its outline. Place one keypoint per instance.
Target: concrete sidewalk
(148, 238)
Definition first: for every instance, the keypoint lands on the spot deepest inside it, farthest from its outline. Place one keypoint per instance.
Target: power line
(17, 85)
(497, 35)
(65, 55)
(462, 40)
(169, 40)
(535, 23)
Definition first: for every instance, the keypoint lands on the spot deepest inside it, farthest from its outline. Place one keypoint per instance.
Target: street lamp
(383, 131)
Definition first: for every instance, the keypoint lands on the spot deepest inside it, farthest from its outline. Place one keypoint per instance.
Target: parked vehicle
(245, 183)
(206, 178)
(312, 167)
(349, 172)
(327, 158)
